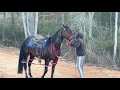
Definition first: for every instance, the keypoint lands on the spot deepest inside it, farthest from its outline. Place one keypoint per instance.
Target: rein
(53, 48)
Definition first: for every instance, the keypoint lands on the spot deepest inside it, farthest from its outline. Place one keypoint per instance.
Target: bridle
(69, 39)
(67, 34)
(52, 44)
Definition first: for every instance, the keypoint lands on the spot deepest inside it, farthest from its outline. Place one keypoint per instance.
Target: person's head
(79, 35)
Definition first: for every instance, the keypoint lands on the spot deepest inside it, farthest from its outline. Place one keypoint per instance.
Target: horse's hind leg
(29, 65)
(29, 68)
(25, 68)
(26, 56)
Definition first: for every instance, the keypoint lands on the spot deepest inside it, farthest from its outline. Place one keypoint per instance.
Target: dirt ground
(9, 62)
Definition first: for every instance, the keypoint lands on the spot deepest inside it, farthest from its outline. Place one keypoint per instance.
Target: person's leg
(80, 63)
(77, 63)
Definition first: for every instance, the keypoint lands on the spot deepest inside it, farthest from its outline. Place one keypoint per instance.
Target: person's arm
(75, 43)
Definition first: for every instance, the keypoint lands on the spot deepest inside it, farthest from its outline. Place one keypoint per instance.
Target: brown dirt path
(9, 63)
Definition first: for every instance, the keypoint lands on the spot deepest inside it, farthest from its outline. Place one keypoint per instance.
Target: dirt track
(9, 63)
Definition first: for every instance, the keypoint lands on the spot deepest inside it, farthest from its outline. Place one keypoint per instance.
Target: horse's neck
(57, 40)
(58, 44)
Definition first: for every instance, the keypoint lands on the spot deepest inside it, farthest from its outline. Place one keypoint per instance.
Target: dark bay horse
(50, 52)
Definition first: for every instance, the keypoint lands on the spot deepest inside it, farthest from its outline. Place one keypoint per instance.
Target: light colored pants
(80, 64)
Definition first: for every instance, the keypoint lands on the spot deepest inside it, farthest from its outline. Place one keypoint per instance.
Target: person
(80, 52)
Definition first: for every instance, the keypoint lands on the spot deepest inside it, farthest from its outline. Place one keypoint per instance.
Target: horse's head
(66, 33)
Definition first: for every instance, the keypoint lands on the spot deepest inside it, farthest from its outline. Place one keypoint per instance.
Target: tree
(63, 18)
(13, 25)
(115, 39)
(30, 23)
(91, 14)
(3, 33)
(110, 24)
(36, 23)
(24, 25)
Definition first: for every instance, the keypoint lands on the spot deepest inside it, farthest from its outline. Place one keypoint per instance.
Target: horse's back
(34, 42)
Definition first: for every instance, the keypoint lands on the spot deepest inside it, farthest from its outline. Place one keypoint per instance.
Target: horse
(51, 51)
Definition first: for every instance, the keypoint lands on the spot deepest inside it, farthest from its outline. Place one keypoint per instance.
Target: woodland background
(101, 32)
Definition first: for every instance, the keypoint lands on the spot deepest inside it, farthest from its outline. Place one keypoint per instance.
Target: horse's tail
(20, 64)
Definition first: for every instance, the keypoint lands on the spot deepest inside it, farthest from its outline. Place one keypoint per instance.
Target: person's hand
(71, 41)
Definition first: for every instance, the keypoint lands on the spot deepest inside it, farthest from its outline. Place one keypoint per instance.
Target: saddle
(40, 42)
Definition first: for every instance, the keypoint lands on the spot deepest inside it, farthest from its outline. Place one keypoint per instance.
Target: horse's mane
(53, 37)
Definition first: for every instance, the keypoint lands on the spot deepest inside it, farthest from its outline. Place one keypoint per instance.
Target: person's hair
(79, 35)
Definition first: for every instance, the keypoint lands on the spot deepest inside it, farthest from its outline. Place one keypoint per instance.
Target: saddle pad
(30, 44)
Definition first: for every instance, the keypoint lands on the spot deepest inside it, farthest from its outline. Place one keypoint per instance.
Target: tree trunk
(115, 39)
(3, 34)
(111, 24)
(63, 19)
(91, 14)
(12, 17)
(28, 20)
(24, 24)
(84, 31)
(30, 23)
(36, 23)
(13, 27)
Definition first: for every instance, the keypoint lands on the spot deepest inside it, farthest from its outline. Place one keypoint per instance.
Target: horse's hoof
(31, 77)
(42, 77)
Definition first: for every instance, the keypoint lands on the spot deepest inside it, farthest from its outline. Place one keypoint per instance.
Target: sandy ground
(9, 62)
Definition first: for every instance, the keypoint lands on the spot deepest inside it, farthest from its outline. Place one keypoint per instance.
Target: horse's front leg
(53, 66)
(53, 69)
(46, 67)
(29, 68)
